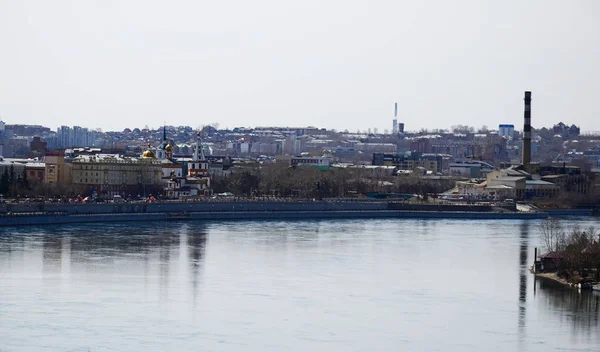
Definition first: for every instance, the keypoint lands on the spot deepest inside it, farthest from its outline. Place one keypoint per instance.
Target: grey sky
(334, 64)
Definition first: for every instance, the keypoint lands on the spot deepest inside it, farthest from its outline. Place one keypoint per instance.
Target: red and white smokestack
(527, 130)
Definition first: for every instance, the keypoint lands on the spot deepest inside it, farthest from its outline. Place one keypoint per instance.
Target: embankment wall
(176, 207)
(45, 219)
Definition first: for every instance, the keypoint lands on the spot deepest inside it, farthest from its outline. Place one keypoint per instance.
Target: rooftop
(539, 183)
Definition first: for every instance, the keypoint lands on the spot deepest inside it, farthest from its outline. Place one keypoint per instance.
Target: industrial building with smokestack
(522, 181)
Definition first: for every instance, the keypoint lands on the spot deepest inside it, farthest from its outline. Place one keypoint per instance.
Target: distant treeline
(309, 182)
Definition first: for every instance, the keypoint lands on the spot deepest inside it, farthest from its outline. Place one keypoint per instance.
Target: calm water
(364, 285)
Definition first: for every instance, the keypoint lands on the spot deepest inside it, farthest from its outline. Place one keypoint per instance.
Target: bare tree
(553, 235)
(581, 251)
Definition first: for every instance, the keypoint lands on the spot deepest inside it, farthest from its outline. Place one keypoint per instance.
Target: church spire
(198, 150)
(202, 156)
(196, 147)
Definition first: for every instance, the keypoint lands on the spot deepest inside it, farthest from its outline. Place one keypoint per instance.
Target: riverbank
(554, 277)
(23, 219)
(41, 214)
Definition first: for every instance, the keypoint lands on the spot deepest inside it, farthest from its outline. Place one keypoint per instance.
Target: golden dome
(148, 154)
(169, 147)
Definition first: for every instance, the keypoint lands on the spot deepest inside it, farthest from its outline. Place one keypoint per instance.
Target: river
(341, 285)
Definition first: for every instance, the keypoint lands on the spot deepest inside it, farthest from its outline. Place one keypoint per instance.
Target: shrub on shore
(579, 250)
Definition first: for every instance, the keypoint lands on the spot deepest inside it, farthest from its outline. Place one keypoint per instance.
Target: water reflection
(303, 285)
(581, 309)
(52, 251)
(196, 244)
(143, 250)
(523, 276)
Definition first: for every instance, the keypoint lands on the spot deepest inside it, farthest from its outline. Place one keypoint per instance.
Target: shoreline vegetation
(572, 257)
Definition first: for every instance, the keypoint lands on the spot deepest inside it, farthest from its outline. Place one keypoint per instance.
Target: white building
(322, 161)
(196, 182)
(67, 137)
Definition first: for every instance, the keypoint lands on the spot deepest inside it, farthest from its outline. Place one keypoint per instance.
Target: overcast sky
(335, 64)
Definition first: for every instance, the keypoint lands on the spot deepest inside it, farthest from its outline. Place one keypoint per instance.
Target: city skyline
(372, 130)
(336, 65)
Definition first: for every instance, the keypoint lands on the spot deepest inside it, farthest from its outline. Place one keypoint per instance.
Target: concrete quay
(45, 213)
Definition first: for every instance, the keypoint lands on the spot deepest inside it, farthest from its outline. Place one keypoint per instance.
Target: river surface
(335, 285)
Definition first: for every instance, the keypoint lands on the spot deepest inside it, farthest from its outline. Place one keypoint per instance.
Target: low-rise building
(376, 147)
(323, 161)
(501, 178)
(540, 188)
(56, 169)
(112, 174)
(6, 164)
(518, 184)
(470, 168)
(37, 147)
(410, 160)
(35, 171)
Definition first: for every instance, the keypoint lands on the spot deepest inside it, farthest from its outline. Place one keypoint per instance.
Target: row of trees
(15, 184)
(308, 182)
(266, 180)
(12, 182)
(569, 199)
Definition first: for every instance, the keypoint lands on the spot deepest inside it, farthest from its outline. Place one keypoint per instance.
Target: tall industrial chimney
(527, 131)
(395, 121)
